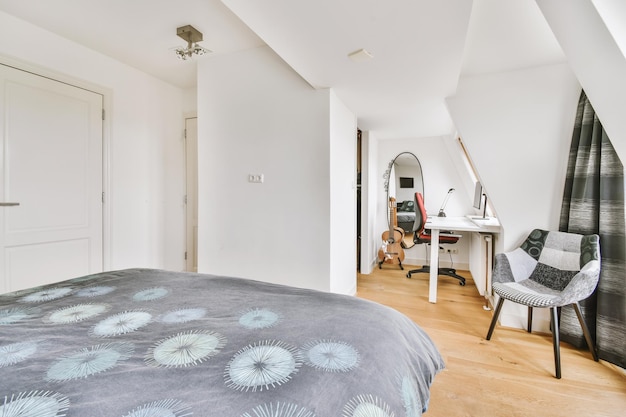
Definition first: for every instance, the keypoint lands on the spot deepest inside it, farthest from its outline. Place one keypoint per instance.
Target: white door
(191, 162)
(50, 180)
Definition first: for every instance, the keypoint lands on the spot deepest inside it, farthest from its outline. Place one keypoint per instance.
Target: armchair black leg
(554, 321)
(586, 333)
(529, 329)
(494, 320)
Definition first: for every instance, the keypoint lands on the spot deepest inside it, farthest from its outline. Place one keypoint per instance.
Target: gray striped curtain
(593, 202)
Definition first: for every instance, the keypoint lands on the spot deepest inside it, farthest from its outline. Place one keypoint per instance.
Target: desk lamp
(445, 201)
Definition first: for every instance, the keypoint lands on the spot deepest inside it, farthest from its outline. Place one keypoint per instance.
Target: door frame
(191, 198)
(106, 94)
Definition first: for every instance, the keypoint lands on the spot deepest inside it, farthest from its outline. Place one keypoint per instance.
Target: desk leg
(434, 265)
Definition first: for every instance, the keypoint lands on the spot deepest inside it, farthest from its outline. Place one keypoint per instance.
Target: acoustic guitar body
(396, 235)
(393, 254)
(392, 251)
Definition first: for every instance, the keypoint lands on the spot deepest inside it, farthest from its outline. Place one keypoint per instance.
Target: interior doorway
(191, 194)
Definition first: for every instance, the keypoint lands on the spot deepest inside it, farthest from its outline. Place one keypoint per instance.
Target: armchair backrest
(560, 255)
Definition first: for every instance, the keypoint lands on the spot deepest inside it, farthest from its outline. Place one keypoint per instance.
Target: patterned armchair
(549, 270)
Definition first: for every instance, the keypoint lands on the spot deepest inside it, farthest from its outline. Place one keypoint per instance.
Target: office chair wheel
(462, 283)
(408, 275)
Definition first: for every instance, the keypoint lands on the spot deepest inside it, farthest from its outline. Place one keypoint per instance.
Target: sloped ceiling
(420, 48)
(417, 49)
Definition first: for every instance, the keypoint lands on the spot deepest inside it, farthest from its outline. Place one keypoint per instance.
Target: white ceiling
(420, 47)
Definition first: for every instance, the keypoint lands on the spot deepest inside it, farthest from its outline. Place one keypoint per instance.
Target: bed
(143, 342)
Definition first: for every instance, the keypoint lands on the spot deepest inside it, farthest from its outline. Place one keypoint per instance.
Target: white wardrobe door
(51, 165)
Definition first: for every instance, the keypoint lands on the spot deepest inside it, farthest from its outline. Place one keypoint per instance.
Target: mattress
(143, 342)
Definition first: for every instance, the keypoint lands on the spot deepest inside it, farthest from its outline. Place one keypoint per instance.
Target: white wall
(370, 186)
(257, 116)
(517, 127)
(190, 101)
(343, 132)
(143, 134)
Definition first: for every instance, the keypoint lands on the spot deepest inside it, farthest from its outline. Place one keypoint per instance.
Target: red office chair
(422, 235)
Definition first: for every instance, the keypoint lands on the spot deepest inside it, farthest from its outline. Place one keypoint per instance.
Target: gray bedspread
(145, 343)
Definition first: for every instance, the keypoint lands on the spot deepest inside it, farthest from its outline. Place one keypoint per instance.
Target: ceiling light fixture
(192, 36)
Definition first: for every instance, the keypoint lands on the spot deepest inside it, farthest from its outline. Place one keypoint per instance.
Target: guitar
(391, 251)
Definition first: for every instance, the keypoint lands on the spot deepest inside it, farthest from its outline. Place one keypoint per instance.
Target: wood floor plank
(510, 375)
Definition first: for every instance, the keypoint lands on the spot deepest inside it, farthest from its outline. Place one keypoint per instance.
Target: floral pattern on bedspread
(140, 342)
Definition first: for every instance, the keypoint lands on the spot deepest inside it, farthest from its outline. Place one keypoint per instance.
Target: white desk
(461, 224)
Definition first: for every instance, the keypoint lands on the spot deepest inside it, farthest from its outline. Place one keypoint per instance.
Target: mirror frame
(387, 177)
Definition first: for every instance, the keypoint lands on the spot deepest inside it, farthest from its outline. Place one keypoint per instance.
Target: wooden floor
(510, 375)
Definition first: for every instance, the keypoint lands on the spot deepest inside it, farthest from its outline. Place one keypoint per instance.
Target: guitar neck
(392, 211)
(394, 214)
(393, 219)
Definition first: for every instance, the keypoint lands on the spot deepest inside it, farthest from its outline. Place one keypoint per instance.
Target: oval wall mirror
(403, 179)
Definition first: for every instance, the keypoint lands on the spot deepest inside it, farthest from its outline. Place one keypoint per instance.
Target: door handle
(9, 204)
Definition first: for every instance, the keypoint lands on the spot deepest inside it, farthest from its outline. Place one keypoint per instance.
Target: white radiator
(481, 264)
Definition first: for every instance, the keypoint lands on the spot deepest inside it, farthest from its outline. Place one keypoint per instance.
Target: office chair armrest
(450, 234)
(447, 233)
(583, 284)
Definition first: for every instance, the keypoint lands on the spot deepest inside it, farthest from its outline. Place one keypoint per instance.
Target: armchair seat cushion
(529, 293)
(550, 277)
